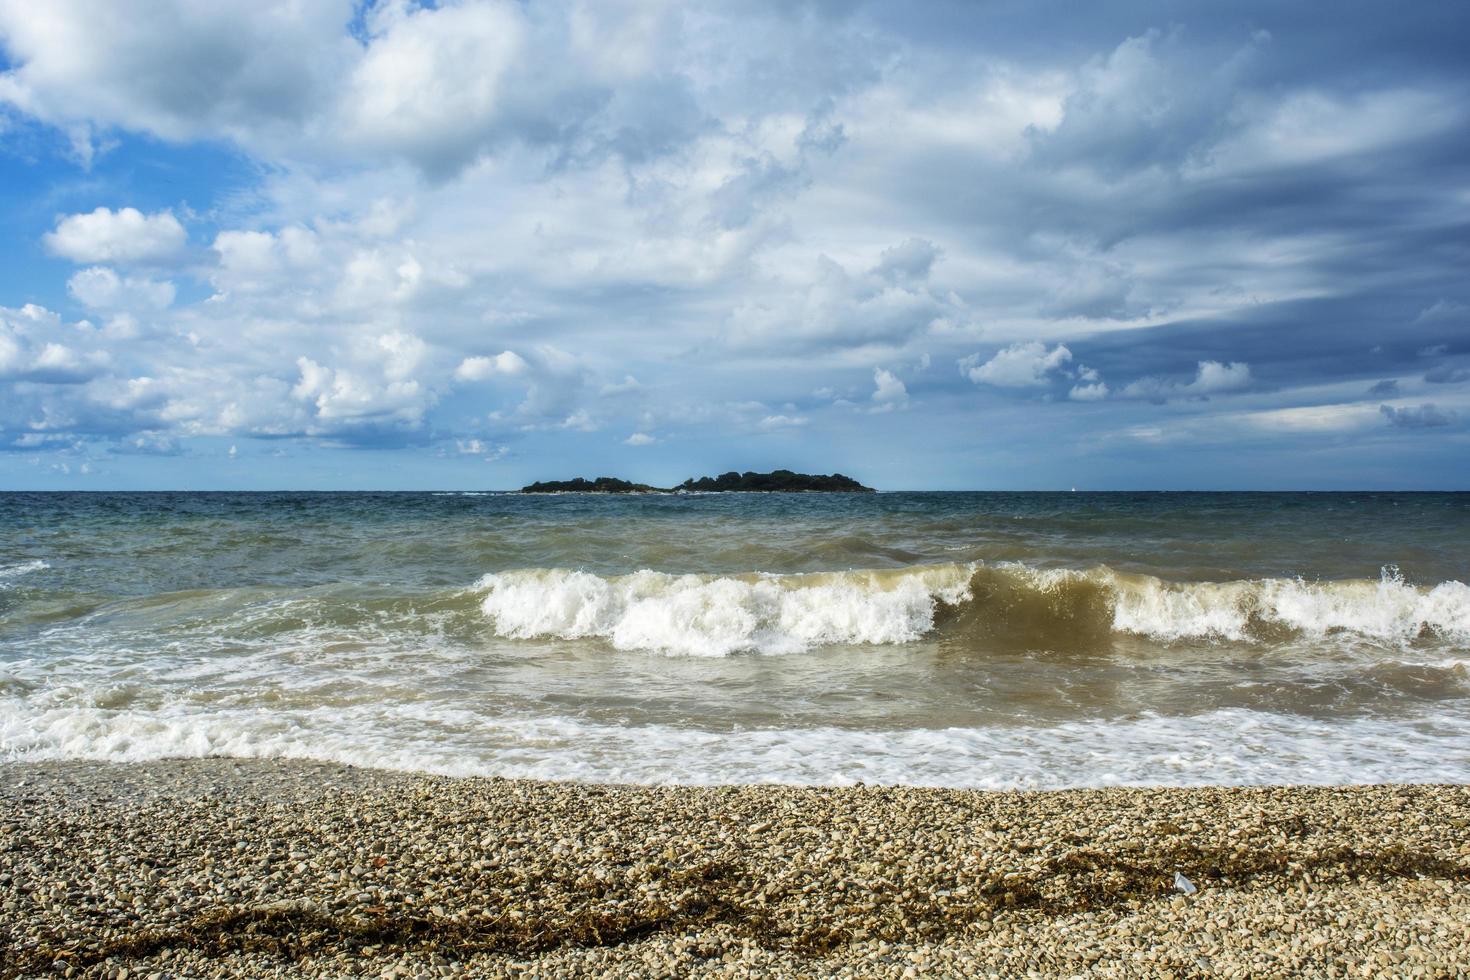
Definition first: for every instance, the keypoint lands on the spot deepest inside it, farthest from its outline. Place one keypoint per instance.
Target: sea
(988, 640)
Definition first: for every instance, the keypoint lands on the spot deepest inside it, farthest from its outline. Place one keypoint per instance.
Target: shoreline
(226, 867)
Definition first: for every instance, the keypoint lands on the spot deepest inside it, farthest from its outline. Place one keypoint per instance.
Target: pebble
(229, 868)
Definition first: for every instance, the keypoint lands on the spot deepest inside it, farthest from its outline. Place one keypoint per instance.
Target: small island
(777, 481)
(603, 484)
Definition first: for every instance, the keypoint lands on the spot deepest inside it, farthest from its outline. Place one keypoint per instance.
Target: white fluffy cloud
(436, 85)
(250, 70)
(1090, 391)
(100, 288)
(345, 394)
(36, 346)
(507, 364)
(124, 235)
(431, 83)
(1023, 365)
(1215, 376)
(889, 392)
(478, 447)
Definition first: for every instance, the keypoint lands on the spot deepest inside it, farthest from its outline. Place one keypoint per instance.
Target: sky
(318, 244)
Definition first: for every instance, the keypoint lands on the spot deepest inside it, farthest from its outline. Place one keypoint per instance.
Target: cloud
(556, 384)
(435, 85)
(1148, 102)
(826, 305)
(909, 261)
(639, 439)
(36, 346)
(430, 85)
(1442, 310)
(1444, 374)
(149, 443)
(253, 261)
(476, 447)
(1022, 365)
(1211, 377)
(100, 288)
(236, 69)
(341, 394)
(1426, 416)
(1387, 388)
(627, 386)
(889, 392)
(1090, 386)
(125, 236)
(506, 364)
(506, 221)
(581, 421)
(373, 394)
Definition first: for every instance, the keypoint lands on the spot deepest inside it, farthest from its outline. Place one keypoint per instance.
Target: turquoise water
(968, 639)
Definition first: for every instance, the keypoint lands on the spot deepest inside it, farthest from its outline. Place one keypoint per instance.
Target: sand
(210, 868)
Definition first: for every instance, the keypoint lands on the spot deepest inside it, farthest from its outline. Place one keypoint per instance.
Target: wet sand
(209, 868)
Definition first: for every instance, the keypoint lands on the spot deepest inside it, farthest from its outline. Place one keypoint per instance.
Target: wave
(9, 572)
(715, 616)
(1221, 747)
(979, 604)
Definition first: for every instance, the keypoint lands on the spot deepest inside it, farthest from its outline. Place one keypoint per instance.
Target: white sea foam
(705, 615)
(8, 573)
(1389, 610)
(718, 615)
(1222, 747)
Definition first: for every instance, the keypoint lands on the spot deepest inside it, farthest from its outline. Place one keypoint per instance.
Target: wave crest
(704, 615)
(10, 572)
(975, 604)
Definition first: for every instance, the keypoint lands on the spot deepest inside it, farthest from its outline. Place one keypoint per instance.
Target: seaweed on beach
(727, 894)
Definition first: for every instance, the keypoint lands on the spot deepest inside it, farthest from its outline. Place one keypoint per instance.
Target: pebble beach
(226, 868)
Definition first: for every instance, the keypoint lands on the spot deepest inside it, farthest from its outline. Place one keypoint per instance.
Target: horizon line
(674, 492)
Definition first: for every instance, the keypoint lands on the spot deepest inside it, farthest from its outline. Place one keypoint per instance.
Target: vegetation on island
(603, 484)
(777, 481)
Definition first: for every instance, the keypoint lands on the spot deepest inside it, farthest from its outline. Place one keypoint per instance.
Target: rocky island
(777, 481)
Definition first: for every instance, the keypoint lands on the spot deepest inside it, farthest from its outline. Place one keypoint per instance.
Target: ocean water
(959, 639)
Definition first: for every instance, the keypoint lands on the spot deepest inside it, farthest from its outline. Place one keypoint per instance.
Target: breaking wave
(8, 573)
(982, 604)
